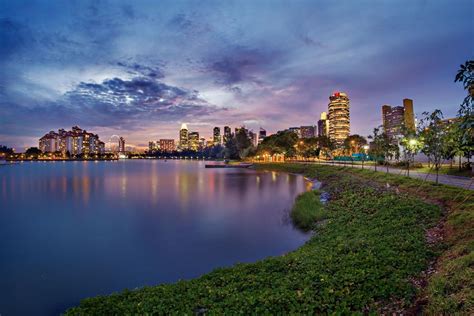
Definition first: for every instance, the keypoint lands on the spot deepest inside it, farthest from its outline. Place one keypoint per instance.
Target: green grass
(307, 210)
(361, 260)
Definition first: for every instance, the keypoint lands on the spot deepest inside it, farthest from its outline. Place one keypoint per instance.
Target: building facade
(183, 137)
(339, 117)
(323, 126)
(261, 135)
(216, 134)
(227, 134)
(194, 141)
(396, 118)
(121, 145)
(167, 145)
(308, 131)
(74, 142)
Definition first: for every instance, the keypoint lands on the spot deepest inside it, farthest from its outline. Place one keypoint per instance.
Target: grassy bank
(308, 210)
(368, 256)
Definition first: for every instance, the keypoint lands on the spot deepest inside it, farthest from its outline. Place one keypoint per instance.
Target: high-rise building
(253, 138)
(339, 117)
(76, 141)
(323, 125)
(194, 141)
(167, 145)
(121, 145)
(227, 134)
(261, 135)
(308, 131)
(217, 135)
(183, 137)
(409, 116)
(296, 130)
(398, 117)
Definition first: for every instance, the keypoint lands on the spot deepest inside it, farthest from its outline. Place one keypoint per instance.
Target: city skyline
(120, 69)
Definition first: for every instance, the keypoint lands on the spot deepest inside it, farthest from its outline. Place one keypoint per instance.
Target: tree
(283, 142)
(377, 147)
(5, 151)
(434, 136)
(354, 143)
(33, 151)
(231, 151)
(243, 142)
(411, 145)
(465, 75)
(326, 145)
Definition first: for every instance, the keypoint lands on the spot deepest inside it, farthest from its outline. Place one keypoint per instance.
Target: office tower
(409, 116)
(121, 145)
(167, 145)
(296, 130)
(194, 141)
(217, 135)
(396, 118)
(261, 135)
(253, 137)
(308, 131)
(227, 134)
(323, 125)
(183, 137)
(339, 117)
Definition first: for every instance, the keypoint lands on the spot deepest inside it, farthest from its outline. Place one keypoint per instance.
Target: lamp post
(366, 148)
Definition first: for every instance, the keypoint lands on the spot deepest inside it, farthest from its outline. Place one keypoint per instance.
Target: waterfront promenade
(458, 181)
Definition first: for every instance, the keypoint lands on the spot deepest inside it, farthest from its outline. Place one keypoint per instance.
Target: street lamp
(366, 148)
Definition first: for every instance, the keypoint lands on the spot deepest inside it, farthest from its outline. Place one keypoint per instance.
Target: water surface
(70, 230)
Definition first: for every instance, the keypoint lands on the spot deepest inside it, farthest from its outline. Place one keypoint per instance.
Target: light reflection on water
(79, 229)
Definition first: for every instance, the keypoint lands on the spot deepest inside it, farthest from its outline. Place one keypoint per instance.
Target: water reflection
(106, 226)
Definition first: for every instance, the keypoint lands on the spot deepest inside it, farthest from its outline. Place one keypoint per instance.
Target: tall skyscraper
(227, 134)
(396, 117)
(339, 117)
(217, 135)
(323, 126)
(183, 137)
(121, 145)
(193, 141)
(261, 135)
(409, 115)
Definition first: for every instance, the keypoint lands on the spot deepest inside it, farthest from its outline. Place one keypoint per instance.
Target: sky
(139, 69)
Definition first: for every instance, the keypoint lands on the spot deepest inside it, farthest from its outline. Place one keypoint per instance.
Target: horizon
(115, 68)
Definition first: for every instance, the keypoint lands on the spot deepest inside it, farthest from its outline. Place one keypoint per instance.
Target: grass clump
(308, 210)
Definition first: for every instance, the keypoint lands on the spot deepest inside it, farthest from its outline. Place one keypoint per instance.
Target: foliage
(6, 150)
(361, 260)
(307, 210)
(465, 75)
(434, 136)
(33, 151)
(282, 142)
(354, 143)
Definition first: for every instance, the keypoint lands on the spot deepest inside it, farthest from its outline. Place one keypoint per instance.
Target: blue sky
(141, 68)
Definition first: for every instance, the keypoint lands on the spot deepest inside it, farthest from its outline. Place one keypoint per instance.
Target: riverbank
(375, 252)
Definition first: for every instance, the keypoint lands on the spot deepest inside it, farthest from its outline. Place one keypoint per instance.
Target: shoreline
(363, 191)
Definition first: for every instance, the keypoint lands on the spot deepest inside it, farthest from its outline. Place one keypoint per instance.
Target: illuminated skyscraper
(323, 126)
(409, 115)
(339, 117)
(121, 145)
(227, 134)
(183, 137)
(217, 135)
(308, 131)
(193, 143)
(397, 117)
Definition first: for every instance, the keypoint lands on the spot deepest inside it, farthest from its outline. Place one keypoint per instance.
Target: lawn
(368, 256)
